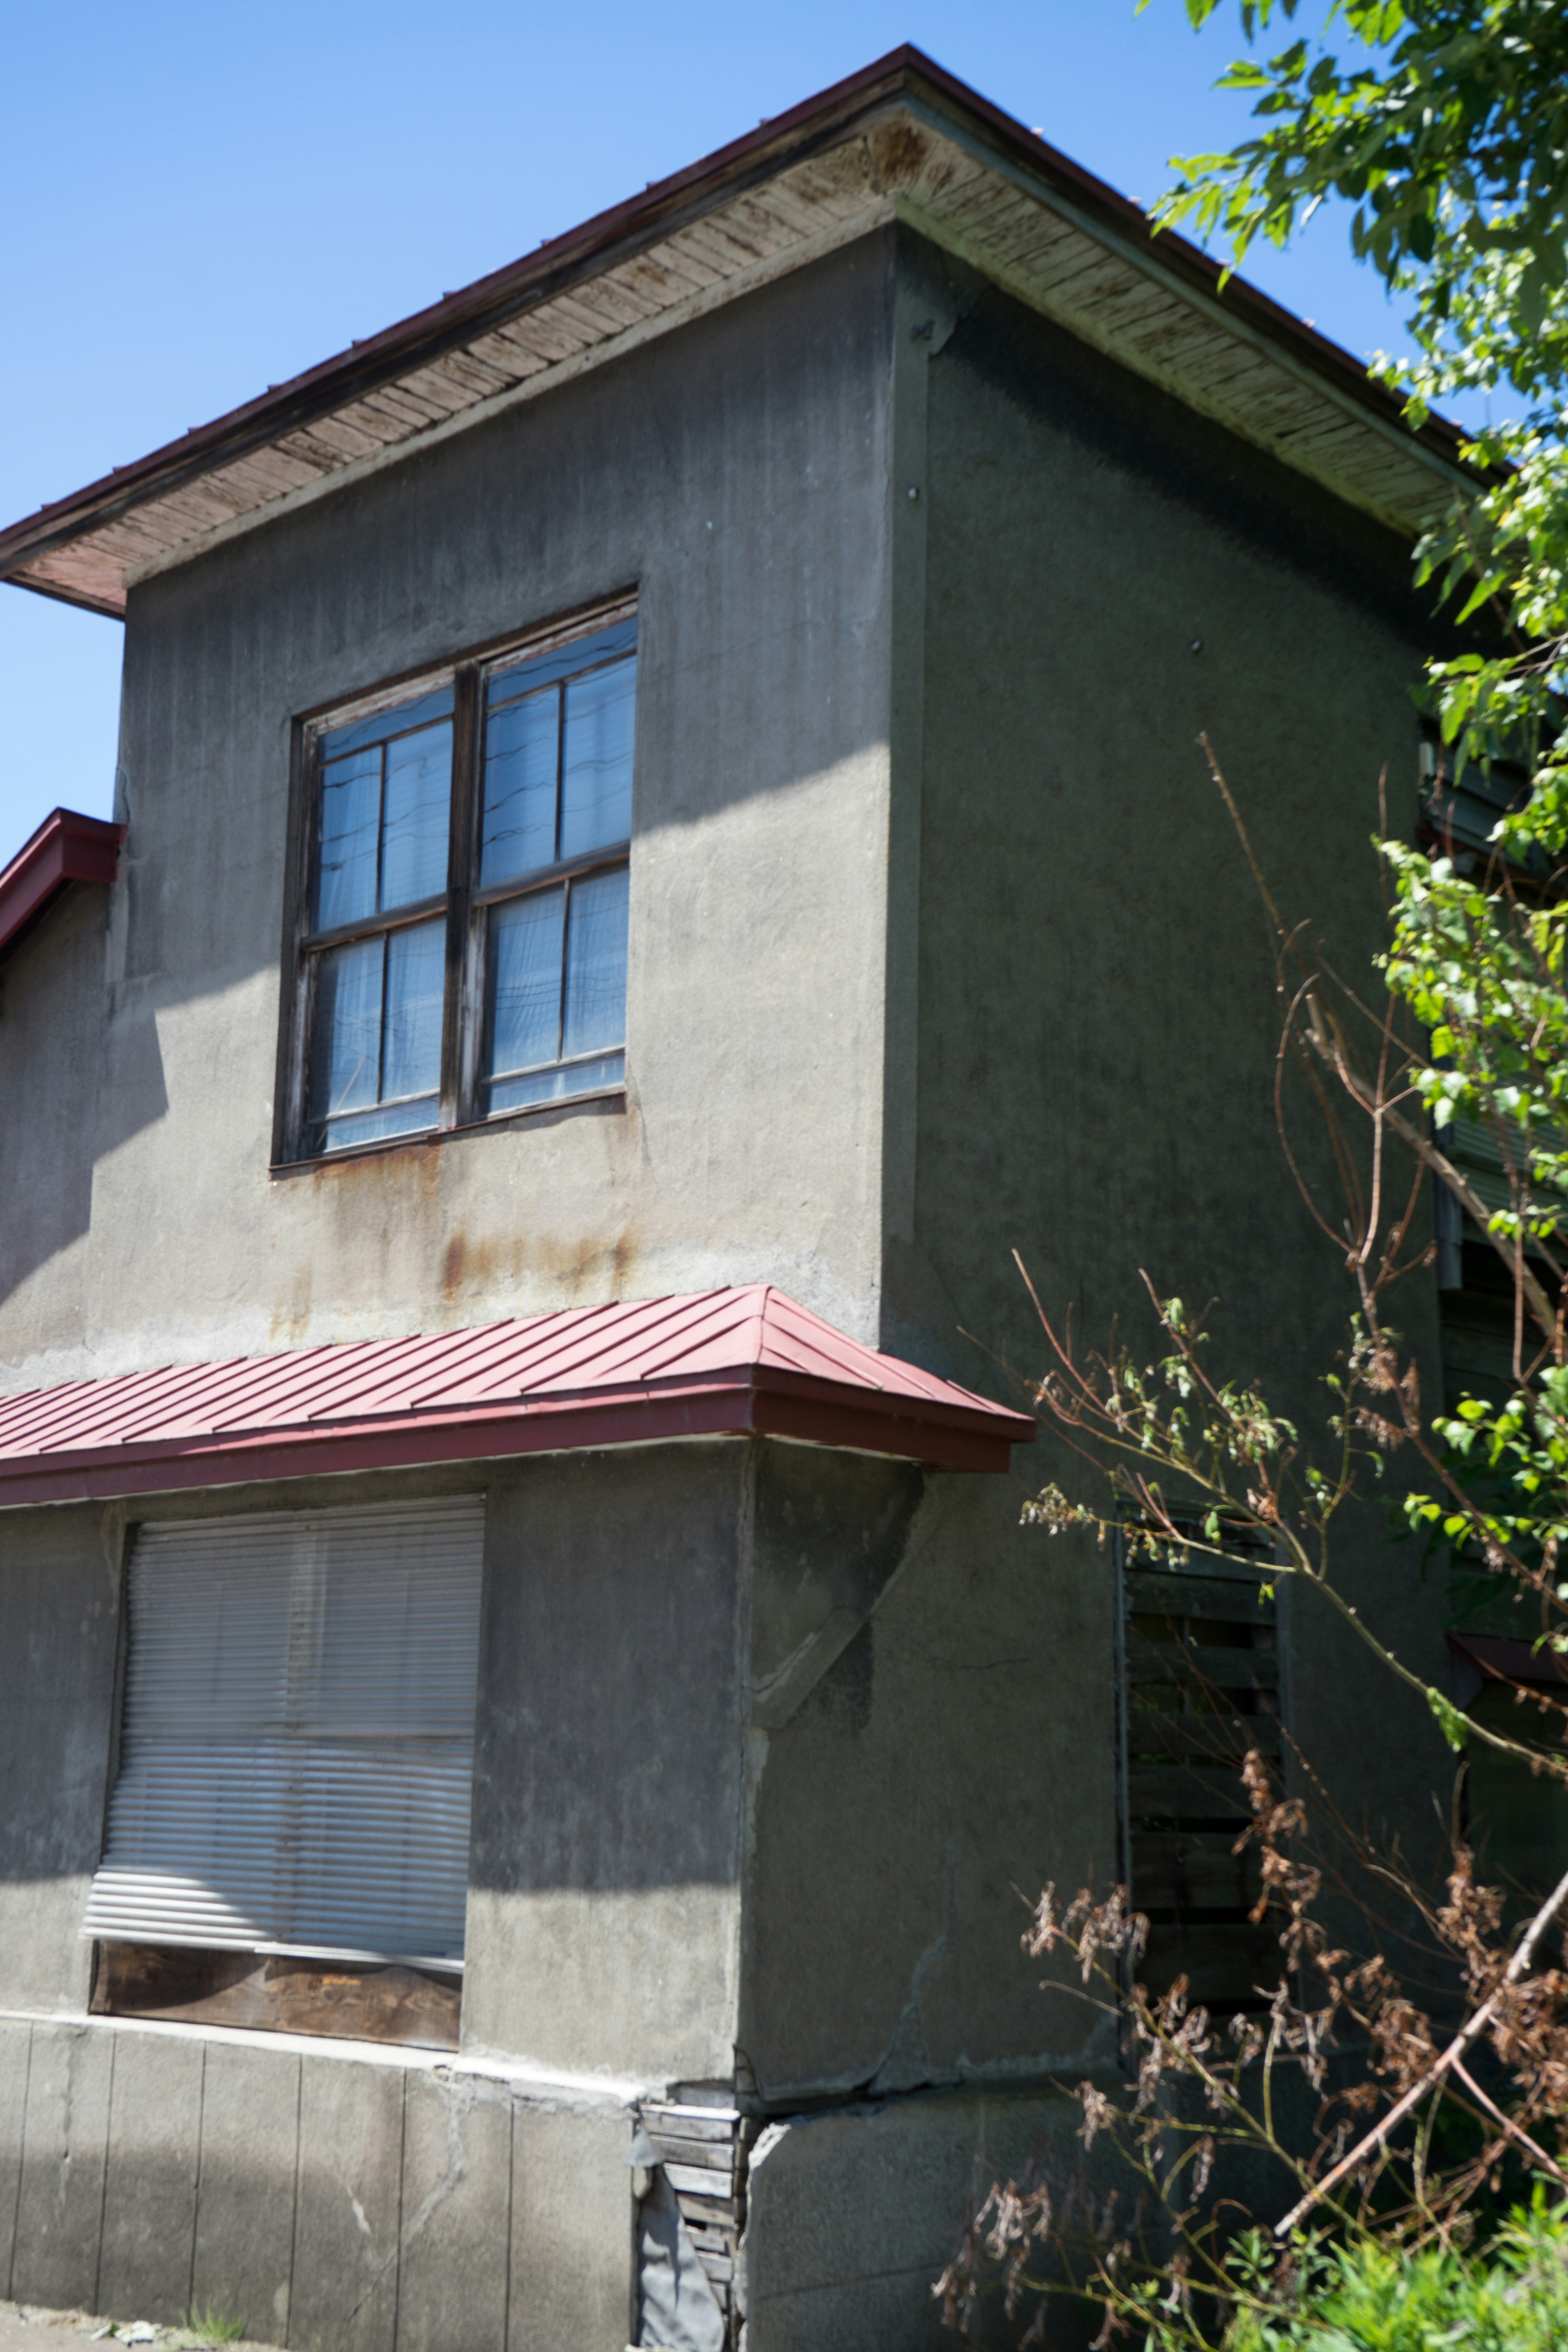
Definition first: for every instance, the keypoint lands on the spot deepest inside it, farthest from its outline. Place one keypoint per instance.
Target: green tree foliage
(1443, 124)
(1446, 127)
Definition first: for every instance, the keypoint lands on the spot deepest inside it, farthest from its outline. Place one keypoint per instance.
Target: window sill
(604, 1099)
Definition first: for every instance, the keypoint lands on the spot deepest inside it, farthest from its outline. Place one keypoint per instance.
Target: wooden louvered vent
(1202, 1682)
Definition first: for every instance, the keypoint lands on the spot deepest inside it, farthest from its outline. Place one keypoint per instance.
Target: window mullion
(565, 966)
(457, 1012)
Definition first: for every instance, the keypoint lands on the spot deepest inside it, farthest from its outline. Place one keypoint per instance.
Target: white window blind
(298, 1741)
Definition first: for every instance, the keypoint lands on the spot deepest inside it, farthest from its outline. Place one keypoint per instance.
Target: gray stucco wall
(51, 1014)
(736, 475)
(1097, 1015)
(604, 1903)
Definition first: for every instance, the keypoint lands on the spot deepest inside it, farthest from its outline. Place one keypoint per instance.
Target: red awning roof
(718, 1363)
(67, 847)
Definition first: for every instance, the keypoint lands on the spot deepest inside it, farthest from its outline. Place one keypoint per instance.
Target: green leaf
(1453, 1726)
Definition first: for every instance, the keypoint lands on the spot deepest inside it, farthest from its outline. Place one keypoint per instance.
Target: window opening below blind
(296, 1754)
(1201, 1686)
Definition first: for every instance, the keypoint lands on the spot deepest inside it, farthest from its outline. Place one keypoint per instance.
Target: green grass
(1369, 2297)
(219, 2326)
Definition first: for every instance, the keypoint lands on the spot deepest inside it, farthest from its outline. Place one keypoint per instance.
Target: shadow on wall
(58, 1120)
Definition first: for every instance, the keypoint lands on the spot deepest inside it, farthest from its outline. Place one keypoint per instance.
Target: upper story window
(461, 949)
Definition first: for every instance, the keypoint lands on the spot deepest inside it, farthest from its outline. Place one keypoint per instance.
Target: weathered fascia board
(875, 214)
(1082, 320)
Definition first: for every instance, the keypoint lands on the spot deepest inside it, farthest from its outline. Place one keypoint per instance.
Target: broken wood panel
(276, 1994)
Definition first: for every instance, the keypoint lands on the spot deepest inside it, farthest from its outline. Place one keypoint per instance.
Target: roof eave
(447, 325)
(762, 1402)
(67, 847)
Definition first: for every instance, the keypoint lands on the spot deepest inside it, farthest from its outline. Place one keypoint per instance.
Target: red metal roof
(67, 847)
(716, 1364)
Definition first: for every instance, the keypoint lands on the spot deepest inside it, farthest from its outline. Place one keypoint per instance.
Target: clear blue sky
(198, 201)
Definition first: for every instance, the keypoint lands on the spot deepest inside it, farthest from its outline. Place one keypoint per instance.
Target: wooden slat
(1193, 1870)
(708, 2240)
(1194, 1662)
(714, 2166)
(1183, 1792)
(714, 2212)
(691, 2123)
(1161, 1592)
(1156, 1739)
(1220, 1963)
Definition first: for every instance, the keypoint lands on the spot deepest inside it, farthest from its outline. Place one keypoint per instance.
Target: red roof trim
(67, 847)
(461, 315)
(747, 1363)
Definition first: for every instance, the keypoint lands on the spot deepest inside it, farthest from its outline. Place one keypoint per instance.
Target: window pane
(522, 1015)
(519, 832)
(345, 1062)
(375, 1126)
(559, 1085)
(596, 965)
(424, 708)
(597, 771)
(415, 969)
(345, 863)
(414, 821)
(577, 653)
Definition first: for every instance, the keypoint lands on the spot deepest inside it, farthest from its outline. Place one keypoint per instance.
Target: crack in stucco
(907, 2061)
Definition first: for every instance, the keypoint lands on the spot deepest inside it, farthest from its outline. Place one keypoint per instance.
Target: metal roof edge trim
(67, 847)
(816, 1411)
(818, 120)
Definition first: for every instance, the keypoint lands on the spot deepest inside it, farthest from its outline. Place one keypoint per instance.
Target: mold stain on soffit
(901, 142)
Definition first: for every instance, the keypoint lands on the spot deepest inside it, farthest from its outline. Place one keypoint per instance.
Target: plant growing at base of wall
(1380, 2212)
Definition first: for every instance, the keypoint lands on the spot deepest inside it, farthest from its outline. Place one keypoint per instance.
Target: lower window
(288, 1839)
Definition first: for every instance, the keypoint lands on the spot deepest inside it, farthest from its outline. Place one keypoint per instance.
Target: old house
(658, 836)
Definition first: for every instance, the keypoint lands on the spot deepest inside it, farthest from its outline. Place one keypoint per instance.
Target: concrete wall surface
(342, 2200)
(734, 475)
(946, 1740)
(853, 2215)
(51, 1019)
(1106, 575)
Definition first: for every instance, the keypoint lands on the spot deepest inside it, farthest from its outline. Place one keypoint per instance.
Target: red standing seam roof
(67, 847)
(716, 1364)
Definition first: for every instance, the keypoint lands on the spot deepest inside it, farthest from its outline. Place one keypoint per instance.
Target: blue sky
(200, 202)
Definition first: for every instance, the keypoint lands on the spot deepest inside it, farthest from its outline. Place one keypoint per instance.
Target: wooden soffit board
(902, 143)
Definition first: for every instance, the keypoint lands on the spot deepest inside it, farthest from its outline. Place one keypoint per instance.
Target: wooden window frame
(466, 907)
